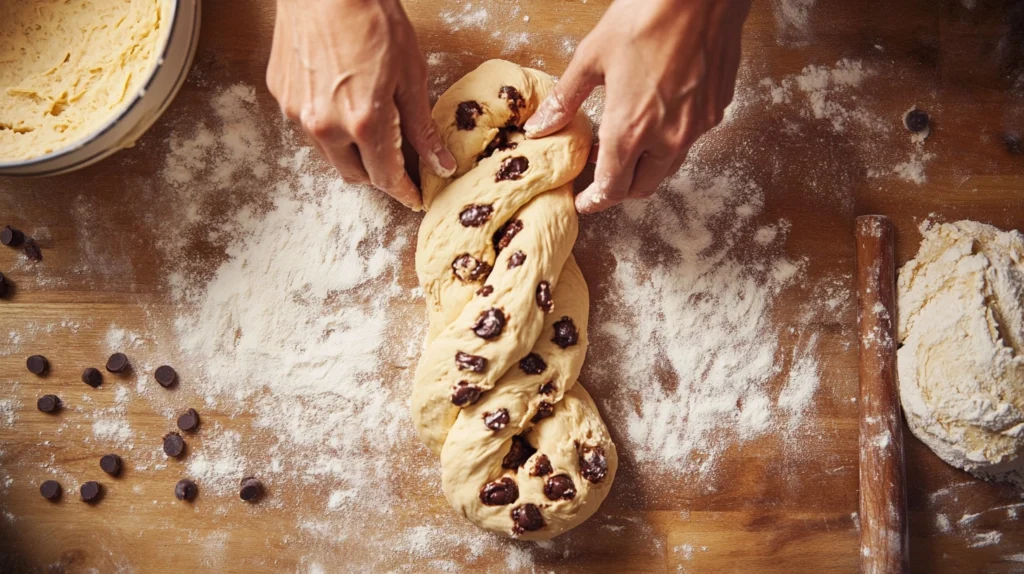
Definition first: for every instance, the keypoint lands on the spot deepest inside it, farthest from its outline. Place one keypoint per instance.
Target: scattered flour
(9, 412)
(112, 429)
(469, 15)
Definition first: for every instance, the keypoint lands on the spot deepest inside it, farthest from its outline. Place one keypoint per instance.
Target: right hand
(351, 73)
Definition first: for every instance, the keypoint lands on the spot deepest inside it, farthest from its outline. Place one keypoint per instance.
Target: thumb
(558, 109)
(421, 131)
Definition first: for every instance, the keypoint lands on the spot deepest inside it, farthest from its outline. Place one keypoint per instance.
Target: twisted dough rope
(523, 449)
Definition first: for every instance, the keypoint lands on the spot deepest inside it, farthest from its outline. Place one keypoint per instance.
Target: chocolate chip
(544, 410)
(37, 364)
(532, 364)
(467, 362)
(92, 377)
(117, 362)
(593, 463)
(465, 394)
(3, 285)
(50, 489)
(916, 120)
(174, 445)
(520, 452)
(186, 490)
(544, 300)
(565, 333)
(489, 324)
(515, 101)
(516, 259)
(560, 487)
(165, 375)
(91, 492)
(547, 388)
(470, 269)
(466, 114)
(48, 403)
(512, 168)
(111, 464)
(496, 420)
(32, 250)
(526, 518)
(11, 237)
(189, 420)
(475, 215)
(542, 467)
(485, 291)
(503, 236)
(499, 143)
(250, 490)
(500, 492)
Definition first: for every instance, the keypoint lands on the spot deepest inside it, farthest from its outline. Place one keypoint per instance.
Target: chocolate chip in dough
(560, 487)
(465, 394)
(11, 237)
(117, 363)
(250, 490)
(515, 101)
(532, 364)
(503, 236)
(186, 490)
(518, 453)
(516, 259)
(466, 114)
(92, 377)
(470, 269)
(189, 420)
(542, 467)
(37, 364)
(565, 333)
(91, 492)
(544, 410)
(544, 300)
(500, 142)
(512, 168)
(174, 445)
(526, 518)
(32, 250)
(593, 463)
(485, 291)
(496, 420)
(916, 120)
(547, 388)
(48, 404)
(467, 362)
(475, 215)
(50, 489)
(111, 464)
(489, 324)
(500, 492)
(165, 375)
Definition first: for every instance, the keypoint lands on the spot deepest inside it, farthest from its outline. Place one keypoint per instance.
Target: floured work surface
(723, 351)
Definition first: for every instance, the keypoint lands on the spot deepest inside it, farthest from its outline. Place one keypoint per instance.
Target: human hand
(351, 73)
(669, 70)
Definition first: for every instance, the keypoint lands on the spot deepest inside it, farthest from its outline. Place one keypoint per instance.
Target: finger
(651, 170)
(333, 143)
(419, 127)
(558, 109)
(348, 163)
(612, 178)
(379, 140)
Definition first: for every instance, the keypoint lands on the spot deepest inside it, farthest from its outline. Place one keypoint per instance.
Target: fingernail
(443, 162)
(538, 121)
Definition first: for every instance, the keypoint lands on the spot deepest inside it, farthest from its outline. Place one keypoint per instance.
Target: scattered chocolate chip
(520, 452)
(500, 492)
(174, 445)
(544, 410)
(544, 300)
(542, 467)
(503, 236)
(547, 388)
(189, 420)
(516, 259)
(467, 362)
(470, 269)
(250, 490)
(11, 237)
(532, 364)
(560, 487)
(916, 120)
(48, 403)
(515, 100)
(92, 377)
(111, 464)
(32, 250)
(186, 490)
(526, 518)
(593, 463)
(117, 362)
(465, 394)
(475, 215)
(485, 291)
(37, 364)
(499, 143)
(466, 114)
(165, 375)
(91, 491)
(489, 324)
(496, 420)
(565, 333)
(512, 168)
(50, 489)
(3, 285)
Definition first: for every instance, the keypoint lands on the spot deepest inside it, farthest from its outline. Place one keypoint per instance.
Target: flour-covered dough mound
(961, 364)
(523, 449)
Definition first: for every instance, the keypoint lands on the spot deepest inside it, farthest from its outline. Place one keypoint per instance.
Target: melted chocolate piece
(475, 215)
(499, 492)
(467, 362)
(489, 324)
(542, 467)
(465, 394)
(496, 420)
(503, 236)
(520, 452)
(499, 143)
(526, 518)
(512, 168)
(544, 410)
(485, 291)
(547, 388)
(516, 259)
(593, 463)
(515, 101)
(466, 114)
(469, 269)
(560, 487)
(544, 300)
(565, 333)
(32, 250)
(532, 364)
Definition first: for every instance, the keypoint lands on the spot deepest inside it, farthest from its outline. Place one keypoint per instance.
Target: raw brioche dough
(508, 311)
(68, 66)
(961, 366)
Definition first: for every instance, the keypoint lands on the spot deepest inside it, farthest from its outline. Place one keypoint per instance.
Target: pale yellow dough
(68, 66)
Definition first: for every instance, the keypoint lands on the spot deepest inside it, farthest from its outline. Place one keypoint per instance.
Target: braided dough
(523, 449)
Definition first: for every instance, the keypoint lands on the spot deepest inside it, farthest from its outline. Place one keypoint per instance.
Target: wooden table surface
(772, 507)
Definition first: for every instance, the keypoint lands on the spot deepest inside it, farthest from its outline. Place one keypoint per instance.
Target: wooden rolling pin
(883, 494)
